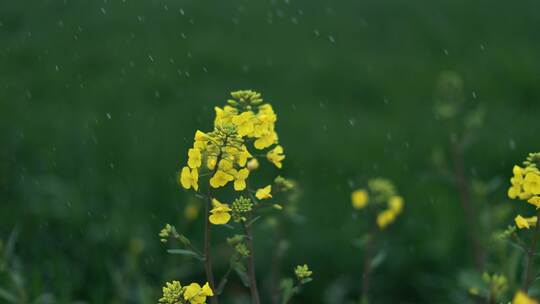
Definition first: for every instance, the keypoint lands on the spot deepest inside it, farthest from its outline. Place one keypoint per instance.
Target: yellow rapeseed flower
(531, 183)
(276, 156)
(240, 179)
(266, 140)
(535, 200)
(220, 179)
(244, 123)
(522, 298)
(385, 217)
(359, 198)
(219, 215)
(525, 222)
(395, 203)
(264, 193)
(195, 158)
(189, 178)
(196, 294)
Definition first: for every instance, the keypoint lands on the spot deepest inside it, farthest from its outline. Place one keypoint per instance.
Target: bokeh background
(99, 101)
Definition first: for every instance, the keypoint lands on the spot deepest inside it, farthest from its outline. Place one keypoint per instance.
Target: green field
(99, 101)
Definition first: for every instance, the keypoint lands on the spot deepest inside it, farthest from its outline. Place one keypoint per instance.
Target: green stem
(367, 267)
(251, 266)
(530, 258)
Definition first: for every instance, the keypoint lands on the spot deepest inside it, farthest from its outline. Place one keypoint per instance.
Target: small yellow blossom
(196, 294)
(359, 198)
(523, 298)
(220, 179)
(531, 183)
(219, 215)
(266, 140)
(244, 123)
(395, 203)
(514, 191)
(385, 217)
(535, 200)
(276, 156)
(242, 156)
(525, 222)
(189, 178)
(194, 160)
(264, 193)
(240, 179)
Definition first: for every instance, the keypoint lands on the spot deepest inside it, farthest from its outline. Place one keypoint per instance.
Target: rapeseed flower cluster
(246, 122)
(525, 186)
(382, 196)
(175, 293)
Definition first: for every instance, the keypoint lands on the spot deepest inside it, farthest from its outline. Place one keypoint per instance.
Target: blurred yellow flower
(359, 198)
(525, 222)
(189, 178)
(395, 203)
(264, 193)
(522, 298)
(385, 217)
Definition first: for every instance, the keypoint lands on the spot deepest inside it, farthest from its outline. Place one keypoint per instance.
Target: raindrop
(331, 39)
(111, 165)
(57, 68)
(103, 11)
(182, 12)
(445, 52)
(352, 122)
(150, 57)
(482, 47)
(474, 95)
(316, 32)
(109, 116)
(512, 144)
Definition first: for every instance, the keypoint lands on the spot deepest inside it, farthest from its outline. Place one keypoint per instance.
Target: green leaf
(186, 252)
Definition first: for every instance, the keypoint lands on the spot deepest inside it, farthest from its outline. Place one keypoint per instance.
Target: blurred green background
(99, 101)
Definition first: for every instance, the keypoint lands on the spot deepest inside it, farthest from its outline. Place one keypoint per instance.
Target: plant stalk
(470, 213)
(251, 267)
(530, 258)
